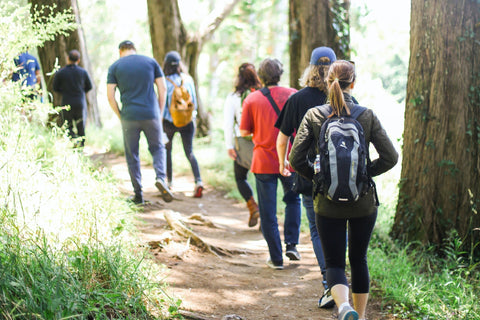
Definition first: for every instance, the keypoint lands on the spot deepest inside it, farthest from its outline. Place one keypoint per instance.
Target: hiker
(260, 111)
(333, 215)
(314, 93)
(246, 82)
(135, 75)
(176, 76)
(72, 82)
(28, 72)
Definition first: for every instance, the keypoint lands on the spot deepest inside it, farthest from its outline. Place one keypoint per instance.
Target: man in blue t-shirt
(72, 82)
(135, 75)
(28, 71)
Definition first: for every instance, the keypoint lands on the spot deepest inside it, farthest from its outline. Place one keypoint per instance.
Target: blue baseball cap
(322, 52)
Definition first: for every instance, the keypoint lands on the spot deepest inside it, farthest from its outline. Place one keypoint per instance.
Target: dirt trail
(212, 287)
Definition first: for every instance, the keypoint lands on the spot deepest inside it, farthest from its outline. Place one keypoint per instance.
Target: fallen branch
(174, 220)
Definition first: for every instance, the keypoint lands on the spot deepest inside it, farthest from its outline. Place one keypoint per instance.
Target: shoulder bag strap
(266, 92)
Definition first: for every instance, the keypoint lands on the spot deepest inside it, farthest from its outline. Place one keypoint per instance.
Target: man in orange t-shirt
(259, 115)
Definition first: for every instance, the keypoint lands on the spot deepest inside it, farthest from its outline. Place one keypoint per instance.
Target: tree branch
(213, 20)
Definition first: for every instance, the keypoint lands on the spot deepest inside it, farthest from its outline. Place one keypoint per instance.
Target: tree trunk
(168, 33)
(316, 23)
(54, 53)
(440, 181)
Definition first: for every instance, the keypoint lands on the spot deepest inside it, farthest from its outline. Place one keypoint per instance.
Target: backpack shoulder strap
(266, 92)
(172, 82)
(325, 110)
(356, 111)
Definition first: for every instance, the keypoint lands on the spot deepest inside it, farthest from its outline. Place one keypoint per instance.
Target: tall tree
(316, 23)
(54, 53)
(168, 33)
(440, 180)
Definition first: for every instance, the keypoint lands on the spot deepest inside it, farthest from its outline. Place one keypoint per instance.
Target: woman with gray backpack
(344, 194)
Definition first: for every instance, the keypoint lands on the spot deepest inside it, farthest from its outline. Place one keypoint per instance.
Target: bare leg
(360, 303)
(340, 294)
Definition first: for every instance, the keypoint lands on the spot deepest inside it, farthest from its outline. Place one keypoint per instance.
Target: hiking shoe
(163, 188)
(348, 314)
(274, 265)
(136, 199)
(292, 252)
(197, 193)
(254, 213)
(326, 301)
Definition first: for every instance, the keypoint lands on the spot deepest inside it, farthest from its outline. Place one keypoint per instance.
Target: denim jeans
(267, 204)
(152, 129)
(317, 244)
(186, 133)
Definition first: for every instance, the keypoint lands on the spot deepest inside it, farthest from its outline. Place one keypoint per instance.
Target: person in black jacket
(333, 218)
(73, 82)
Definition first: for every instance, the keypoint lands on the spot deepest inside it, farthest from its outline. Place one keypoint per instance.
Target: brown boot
(254, 214)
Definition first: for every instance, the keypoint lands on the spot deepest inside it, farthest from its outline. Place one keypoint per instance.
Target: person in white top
(247, 81)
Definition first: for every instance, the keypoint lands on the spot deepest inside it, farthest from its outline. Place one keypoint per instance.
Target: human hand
(232, 154)
(283, 168)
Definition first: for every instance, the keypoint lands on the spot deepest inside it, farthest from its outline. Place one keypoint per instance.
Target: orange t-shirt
(259, 117)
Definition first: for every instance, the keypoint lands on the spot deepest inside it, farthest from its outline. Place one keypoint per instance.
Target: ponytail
(340, 76)
(335, 96)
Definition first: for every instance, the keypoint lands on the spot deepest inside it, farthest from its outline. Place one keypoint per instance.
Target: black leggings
(241, 179)
(186, 133)
(333, 234)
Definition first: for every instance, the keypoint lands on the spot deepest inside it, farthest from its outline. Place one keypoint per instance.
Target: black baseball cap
(127, 44)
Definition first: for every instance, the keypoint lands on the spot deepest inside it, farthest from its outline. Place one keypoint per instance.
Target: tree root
(176, 222)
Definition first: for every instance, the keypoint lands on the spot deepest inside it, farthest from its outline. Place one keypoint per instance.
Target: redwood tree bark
(440, 181)
(55, 53)
(168, 33)
(316, 23)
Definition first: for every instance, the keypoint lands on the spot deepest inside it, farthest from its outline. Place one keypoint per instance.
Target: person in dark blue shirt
(72, 81)
(135, 75)
(28, 72)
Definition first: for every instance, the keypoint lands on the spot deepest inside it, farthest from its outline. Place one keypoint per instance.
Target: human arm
(282, 142)
(88, 83)
(387, 155)
(231, 102)
(304, 139)
(111, 98)
(56, 82)
(38, 75)
(162, 93)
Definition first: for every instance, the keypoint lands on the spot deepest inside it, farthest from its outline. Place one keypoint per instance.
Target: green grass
(68, 247)
(414, 283)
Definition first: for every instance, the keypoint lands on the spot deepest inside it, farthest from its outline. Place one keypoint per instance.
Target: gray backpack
(342, 160)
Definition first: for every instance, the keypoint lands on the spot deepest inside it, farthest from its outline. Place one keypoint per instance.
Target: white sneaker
(326, 301)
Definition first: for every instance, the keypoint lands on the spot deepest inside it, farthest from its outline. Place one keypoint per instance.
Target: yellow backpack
(181, 105)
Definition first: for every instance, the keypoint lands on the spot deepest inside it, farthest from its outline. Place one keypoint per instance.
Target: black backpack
(342, 160)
